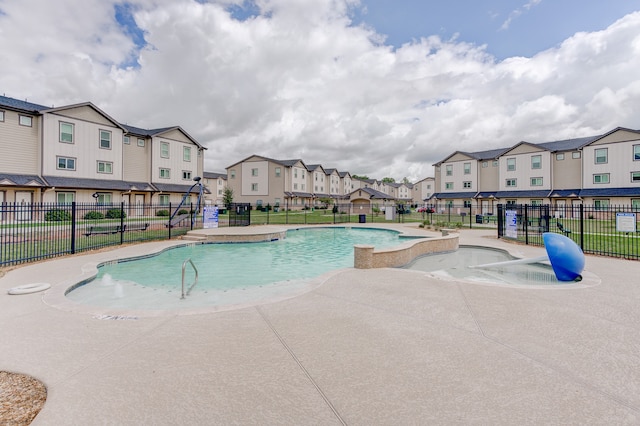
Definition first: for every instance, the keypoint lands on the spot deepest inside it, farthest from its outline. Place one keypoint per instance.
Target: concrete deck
(367, 347)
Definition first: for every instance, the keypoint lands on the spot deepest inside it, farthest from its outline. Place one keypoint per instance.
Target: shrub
(93, 215)
(183, 211)
(57, 215)
(115, 214)
(162, 213)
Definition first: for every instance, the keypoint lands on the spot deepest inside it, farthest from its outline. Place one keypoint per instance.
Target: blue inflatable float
(565, 256)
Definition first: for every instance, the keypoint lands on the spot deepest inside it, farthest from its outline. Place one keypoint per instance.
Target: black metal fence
(35, 231)
(604, 230)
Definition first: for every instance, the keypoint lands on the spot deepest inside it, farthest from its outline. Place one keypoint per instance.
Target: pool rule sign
(626, 222)
(210, 217)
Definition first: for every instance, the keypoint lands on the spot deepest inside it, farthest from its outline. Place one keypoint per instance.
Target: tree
(227, 197)
(388, 180)
(360, 177)
(405, 180)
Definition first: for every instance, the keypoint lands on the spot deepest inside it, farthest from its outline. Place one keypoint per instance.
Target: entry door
(23, 202)
(575, 208)
(561, 208)
(485, 207)
(139, 204)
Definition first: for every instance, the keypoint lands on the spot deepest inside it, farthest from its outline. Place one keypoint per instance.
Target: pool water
(229, 273)
(456, 265)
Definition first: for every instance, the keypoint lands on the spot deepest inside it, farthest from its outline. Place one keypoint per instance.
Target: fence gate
(240, 214)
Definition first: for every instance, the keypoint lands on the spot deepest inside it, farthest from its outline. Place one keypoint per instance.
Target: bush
(57, 215)
(115, 214)
(93, 215)
(183, 211)
(162, 213)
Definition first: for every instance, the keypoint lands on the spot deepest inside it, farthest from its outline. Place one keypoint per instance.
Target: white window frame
(448, 185)
(186, 153)
(66, 195)
(599, 176)
(511, 183)
(61, 133)
(511, 164)
(1, 116)
(140, 142)
(601, 204)
(126, 140)
(635, 177)
(467, 168)
(278, 171)
(164, 173)
(102, 139)
(560, 156)
(107, 167)
(467, 184)
(164, 150)
(254, 172)
(636, 153)
(536, 164)
(66, 163)
(534, 181)
(104, 198)
(254, 187)
(232, 173)
(576, 155)
(186, 175)
(596, 157)
(163, 199)
(25, 120)
(448, 170)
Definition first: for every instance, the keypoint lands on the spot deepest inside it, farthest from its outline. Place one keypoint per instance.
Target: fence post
(470, 222)
(525, 224)
(191, 213)
(73, 227)
(582, 226)
(169, 221)
(121, 222)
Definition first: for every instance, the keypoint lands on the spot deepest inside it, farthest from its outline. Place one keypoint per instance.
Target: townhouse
(79, 153)
(215, 184)
(599, 170)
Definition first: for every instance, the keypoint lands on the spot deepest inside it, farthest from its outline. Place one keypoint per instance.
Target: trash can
(362, 218)
(478, 218)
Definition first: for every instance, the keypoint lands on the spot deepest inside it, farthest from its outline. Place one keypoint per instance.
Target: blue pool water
(229, 273)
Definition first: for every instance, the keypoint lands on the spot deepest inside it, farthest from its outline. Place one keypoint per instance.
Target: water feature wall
(366, 257)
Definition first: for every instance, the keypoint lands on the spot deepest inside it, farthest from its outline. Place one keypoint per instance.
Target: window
(575, 155)
(601, 204)
(164, 149)
(140, 142)
(449, 169)
(448, 185)
(165, 173)
(495, 163)
(66, 163)
(560, 157)
(466, 184)
(511, 164)
(1, 115)
(302, 174)
(254, 187)
(278, 171)
(636, 153)
(485, 164)
(512, 182)
(536, 202)
(601, 178)
(104, 198)
(467, 168)
(635, 177)
(467, 204)
(219, 191)
(536, 161)
(536, 181)
(105, 167)
(635, 204)
(186, 153)
(254, 172)
(66, 132)
(163, 199)
(302, 187)
(233, 174)
(105, 139)
(186, 175)
(295, 186)
(601, 155)
(295, 173)
(511, 202)
(65, 197)
(25, 120)
(126, 140)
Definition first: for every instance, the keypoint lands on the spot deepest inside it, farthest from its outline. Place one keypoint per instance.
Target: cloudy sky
(375, 87)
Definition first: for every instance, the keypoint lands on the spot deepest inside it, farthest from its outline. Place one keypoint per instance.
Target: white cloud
(300, 81)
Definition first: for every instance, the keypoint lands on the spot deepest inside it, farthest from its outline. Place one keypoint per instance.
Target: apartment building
(215, 184)
(598, 170)
(423, 190)
(80, 153)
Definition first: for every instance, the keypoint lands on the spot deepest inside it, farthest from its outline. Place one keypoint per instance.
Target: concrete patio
(367, 347)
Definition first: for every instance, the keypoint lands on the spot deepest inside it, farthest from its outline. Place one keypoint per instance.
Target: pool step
(192, 237)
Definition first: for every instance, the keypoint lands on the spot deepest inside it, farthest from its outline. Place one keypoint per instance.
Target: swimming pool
(229, 274)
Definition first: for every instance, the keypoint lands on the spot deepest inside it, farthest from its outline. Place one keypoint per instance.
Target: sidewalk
(367, 347)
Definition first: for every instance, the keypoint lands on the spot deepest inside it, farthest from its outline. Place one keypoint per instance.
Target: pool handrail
(184, 266)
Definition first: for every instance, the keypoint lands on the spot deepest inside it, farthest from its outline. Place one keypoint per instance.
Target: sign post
(210, 217)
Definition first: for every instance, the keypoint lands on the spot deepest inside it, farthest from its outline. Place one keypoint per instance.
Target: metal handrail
(184, 266)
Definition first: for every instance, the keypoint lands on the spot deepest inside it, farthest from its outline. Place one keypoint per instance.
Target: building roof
(610, 192)
(541, 193)
(173, 187)
(7, 179)
(214, 175)
(114, 185)
(564, 193)
(155, 132)
(21, 105)
(375, 194)
(568, 144)
(453, 195)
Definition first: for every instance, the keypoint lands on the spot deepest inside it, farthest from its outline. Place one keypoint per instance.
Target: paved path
(368, 347)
